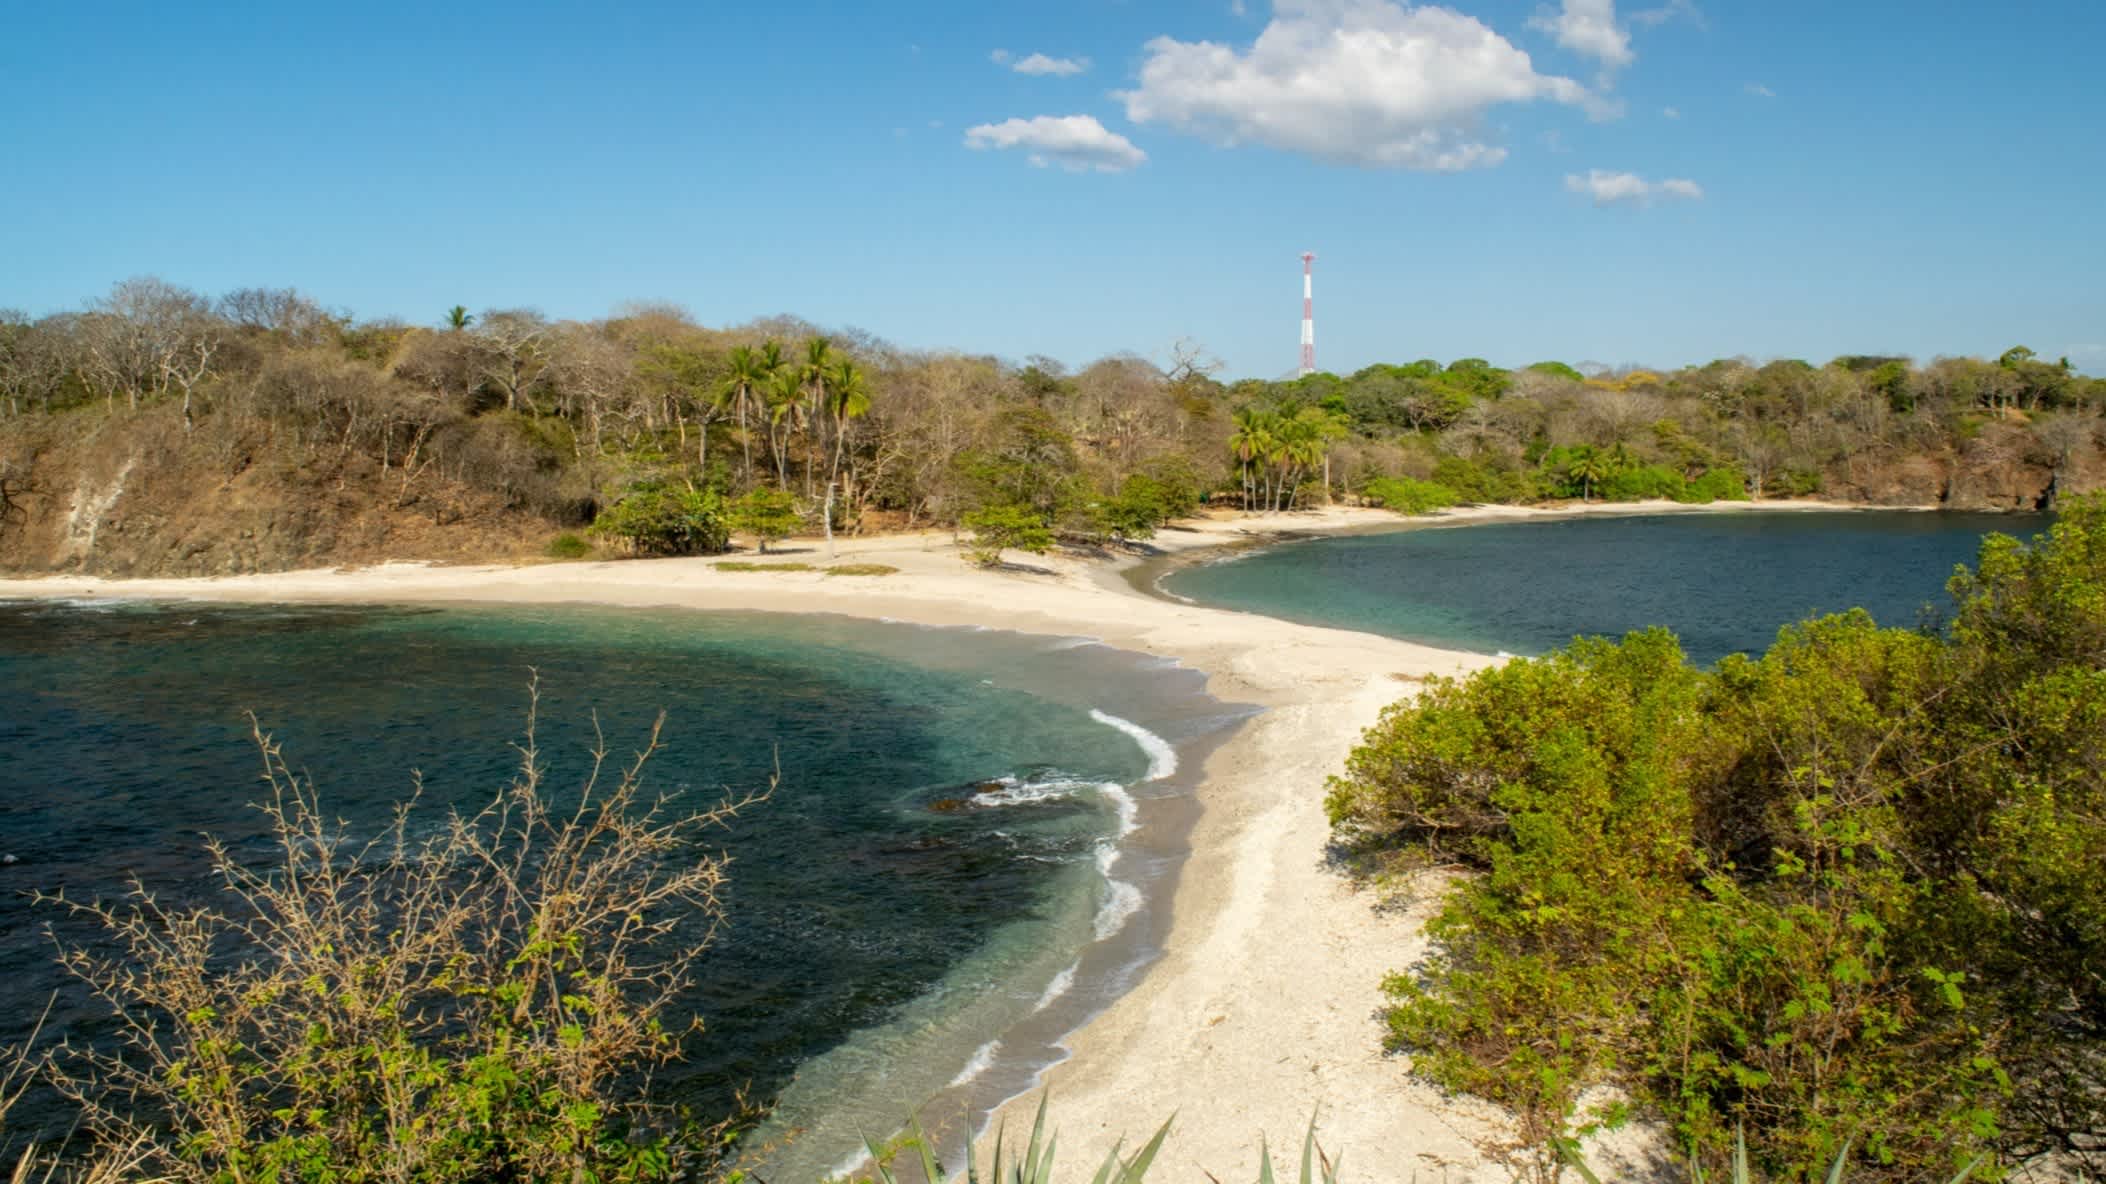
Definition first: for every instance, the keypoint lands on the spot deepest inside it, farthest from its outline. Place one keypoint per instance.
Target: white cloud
(1039, 63)
(1650, 17)
(1077, 143)
(1365, 82)
(1608, 189)
(999, 57)
(1760, 91)
(1588, 27)
(1671, 112)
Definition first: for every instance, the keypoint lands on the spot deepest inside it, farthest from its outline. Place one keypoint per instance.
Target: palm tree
(847, 397)
(1587, 466)
(458, 317)
(785, 396)
(741, 388)
(816, 373)
(1251, 441)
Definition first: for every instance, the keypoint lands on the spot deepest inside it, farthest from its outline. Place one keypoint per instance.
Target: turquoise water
(1723, 582)
(876, 943)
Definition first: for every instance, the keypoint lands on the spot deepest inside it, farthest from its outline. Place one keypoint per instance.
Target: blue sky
(1658, 181)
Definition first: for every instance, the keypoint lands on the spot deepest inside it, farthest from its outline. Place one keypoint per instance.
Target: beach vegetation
(1007, 527)
(766, 514)
(1407, 496)
(1840, 896)
(568, 545)
(736, 565)
(653, 519)
(472, 996)
(861, 569)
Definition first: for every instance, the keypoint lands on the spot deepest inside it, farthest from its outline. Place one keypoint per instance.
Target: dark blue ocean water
(865, 926)
(1723, 582)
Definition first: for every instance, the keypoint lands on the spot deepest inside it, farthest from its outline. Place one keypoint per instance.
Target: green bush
(658, 520)
(743, 565)
(1406, 496)
(1484, 484)
(1642, 482)
(1716, 485)
(768, 514)
(568, 545)
(1004, 527)
(1843, 894)
(860, 569)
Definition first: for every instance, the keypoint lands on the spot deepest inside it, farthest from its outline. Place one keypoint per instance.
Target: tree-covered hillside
(161, 431)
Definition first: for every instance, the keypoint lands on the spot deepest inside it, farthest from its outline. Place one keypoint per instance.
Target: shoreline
(1262, 1005)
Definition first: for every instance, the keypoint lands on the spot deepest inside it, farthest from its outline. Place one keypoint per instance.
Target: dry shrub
(482, 999)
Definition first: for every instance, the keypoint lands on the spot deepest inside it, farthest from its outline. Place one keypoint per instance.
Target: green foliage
(1482, 482)
(1639, 482)
(1559, 370)
(1141, 505)
(1841, 895)
(1406, 496)
(860, 569)
(568, 545)
(766, 513)
(1716, 485)
(1007, 527)
(743, 565)
(657, 520)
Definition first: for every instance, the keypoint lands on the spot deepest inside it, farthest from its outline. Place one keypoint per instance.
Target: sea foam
(1162, 759)
(1060, 985)
(982, 1060)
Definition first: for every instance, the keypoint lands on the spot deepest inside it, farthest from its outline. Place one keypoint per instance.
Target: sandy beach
(1263, 1007)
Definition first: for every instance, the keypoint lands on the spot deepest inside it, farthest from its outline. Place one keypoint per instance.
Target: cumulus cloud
(1588, 27)
(999, 57)
(1077, 143)
(1609, 188)
(1364, 82)
(1039, 63)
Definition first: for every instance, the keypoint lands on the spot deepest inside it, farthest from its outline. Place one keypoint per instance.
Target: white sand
(1264, 1005)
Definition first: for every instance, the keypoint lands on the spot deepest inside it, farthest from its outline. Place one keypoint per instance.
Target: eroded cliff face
(142, 496)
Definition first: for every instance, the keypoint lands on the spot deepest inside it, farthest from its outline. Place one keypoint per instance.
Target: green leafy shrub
(1483, 483)
(768, 514)
(1716, 485)
(1842, 894)
(861, 569)
(1406, 496)
(1641, 482)
(568, 545)
(744, 565)
(1004, 527)
(661, 520)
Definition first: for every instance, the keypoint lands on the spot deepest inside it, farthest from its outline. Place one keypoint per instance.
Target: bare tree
(515, 352)
(149, 337)
(33, 360)
(279, 311)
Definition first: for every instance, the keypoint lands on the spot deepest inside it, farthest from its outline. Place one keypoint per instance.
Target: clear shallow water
(1722, 582)
(876, 943)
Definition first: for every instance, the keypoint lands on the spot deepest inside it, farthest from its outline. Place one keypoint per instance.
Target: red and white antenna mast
(1308, 313)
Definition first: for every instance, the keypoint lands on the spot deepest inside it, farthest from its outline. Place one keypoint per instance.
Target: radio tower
(1308, 313)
